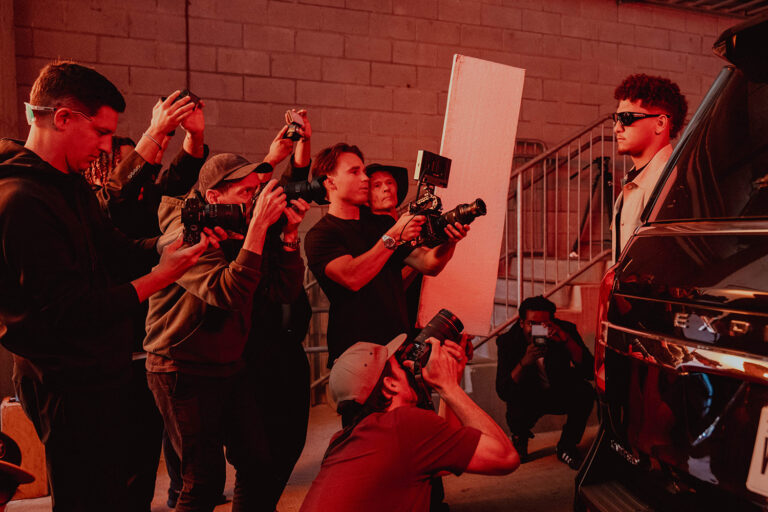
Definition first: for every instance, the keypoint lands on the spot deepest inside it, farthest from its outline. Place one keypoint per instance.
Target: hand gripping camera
(433, 170)
(196, 214)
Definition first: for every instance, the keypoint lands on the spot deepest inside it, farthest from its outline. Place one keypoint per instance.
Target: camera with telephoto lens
(196, 214)
(540, 335)
(433, 170)
(443, 326)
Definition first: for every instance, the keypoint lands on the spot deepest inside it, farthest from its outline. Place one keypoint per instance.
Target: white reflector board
(479, 137)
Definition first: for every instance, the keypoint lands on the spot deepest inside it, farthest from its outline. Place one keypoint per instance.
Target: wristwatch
(388, 242)
(292, 245)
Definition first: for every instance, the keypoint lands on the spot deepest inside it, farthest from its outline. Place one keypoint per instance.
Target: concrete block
(419, 54)
(703, 24)
(481, 37)
(65, 45)
(366, 48)
(27, 69)
(282, 14)
(223, 139)
(159, 82)
(669, 18)
(429, 126)
(439, 32)
(319, 43)
(650, 37)
(23, 42)
(368, 98)
(685, 42)
(384, 123)
(170, 55)
(420, 9)
(156, 26)
(596, 94)
(202, 58)
(634, 55)
(247, 62)
(407, 148)
(499, 16)
(217, 85)
(415, 101)
(436, 79)
(215, 32)
(532, 88)
(579, 71)
(330, 3)
(118, 75)
(96, 19)
(270, 90)
(371, 5)
(296, 66)
(395, 27)
(603, 10)
(532, 110)
(637, 14)
(542, 22)
(232, 10)
(26, 14)
(613, 32)
(519, 41)
(573, 26)
(345, 121)
(374, 147)
(459, 11)
(260, 37)
(243, 114)
(599, 51)
(320, 93)
(119, 50)
(668, 61)
(346, 21)
(347, 71)
(393, 74)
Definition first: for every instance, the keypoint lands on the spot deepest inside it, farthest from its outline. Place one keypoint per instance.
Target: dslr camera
(307, 190)
(443, 326)
(433, 170)
(196, 214)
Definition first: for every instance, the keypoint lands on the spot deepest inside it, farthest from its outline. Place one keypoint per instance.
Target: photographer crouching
(544, 368)
(385, 458)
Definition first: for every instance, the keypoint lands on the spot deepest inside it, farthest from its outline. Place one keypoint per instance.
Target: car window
(722, 173)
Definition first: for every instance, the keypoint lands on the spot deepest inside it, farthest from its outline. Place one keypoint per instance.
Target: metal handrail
(558, 147)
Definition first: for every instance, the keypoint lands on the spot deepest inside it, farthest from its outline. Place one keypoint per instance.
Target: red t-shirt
(386, 463)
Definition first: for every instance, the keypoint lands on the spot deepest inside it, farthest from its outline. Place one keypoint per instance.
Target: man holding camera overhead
(544, 368)
(357, 257)
(198, 327)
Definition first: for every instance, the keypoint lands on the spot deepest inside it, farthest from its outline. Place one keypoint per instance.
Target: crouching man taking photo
(384, 460)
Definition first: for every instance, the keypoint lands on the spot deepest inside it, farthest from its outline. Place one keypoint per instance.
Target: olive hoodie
(200, 324)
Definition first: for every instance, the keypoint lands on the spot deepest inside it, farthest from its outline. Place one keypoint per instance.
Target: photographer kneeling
(544, 368)
(384, 460)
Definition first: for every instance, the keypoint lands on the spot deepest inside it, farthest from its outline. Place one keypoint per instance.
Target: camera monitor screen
(435, 169)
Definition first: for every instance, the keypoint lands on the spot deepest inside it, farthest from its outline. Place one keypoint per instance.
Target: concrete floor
(543, 484)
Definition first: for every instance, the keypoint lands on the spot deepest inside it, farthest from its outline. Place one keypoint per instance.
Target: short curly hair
(658, 92)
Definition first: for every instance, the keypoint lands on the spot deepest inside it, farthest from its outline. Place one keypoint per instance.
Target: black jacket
(61, 314)
(557, 361)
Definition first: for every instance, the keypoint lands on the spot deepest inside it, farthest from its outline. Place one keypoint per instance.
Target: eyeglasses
(627, 118)
(30, 110)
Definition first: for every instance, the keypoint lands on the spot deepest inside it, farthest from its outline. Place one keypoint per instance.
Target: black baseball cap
(227, 167)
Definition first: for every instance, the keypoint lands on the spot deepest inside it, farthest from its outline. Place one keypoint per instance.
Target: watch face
(388, 241)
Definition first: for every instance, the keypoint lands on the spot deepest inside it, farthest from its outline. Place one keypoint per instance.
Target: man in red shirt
(385, 459)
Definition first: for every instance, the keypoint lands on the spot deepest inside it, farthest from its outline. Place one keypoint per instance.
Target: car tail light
(606, 286)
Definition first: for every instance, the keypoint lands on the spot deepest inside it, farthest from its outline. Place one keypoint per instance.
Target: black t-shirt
(377, 312)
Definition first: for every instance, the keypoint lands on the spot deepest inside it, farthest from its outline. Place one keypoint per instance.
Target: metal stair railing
(558, 218)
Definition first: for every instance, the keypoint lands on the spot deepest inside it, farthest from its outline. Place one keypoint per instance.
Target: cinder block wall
(371, 72)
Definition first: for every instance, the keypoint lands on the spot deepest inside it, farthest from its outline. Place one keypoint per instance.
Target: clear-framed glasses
(30, 110)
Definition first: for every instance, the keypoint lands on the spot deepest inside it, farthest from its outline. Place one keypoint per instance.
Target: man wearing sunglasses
(651, 112)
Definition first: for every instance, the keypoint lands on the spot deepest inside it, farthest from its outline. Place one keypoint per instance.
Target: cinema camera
(433, 170)
(443, 326)
(196, 214)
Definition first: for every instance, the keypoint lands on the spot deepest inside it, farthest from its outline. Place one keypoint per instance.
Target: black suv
(682, 340)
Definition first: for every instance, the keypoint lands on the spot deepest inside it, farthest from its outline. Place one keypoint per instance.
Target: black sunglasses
(627, 118)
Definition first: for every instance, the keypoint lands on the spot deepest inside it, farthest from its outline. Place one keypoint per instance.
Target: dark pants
(202, 415)
(144, 436)
(83, 432)
(574, 398)
(280, 381)
(173, 466)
